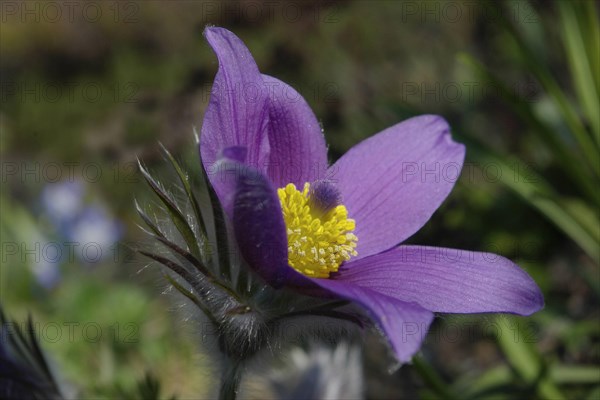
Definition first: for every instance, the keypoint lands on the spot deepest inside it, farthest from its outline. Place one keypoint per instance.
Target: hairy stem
(230, 379)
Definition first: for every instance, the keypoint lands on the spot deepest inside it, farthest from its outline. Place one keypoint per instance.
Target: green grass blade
(568, 160)
(594, 394)
(541, 72)
(432, 379)
(592, 33)
(490, 380)
(579, 63)
(497, 379)
(541, 196)
(575, 374)
(524, 358)
(584, 215)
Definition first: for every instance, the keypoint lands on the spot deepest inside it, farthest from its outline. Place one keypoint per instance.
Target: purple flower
(334, 231)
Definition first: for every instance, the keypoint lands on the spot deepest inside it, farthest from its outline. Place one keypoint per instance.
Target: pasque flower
(336, 231)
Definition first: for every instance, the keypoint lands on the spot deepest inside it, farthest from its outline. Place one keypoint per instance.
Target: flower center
(319, 231)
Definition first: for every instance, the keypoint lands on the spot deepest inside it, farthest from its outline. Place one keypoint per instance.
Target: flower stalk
(230, 379)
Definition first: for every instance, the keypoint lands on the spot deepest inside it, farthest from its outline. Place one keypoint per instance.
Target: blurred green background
(86, 87)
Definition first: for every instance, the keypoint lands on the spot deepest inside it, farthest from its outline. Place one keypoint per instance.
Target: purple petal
(235, 153)
(252, 204)
(298, 150)
(237, 114)
(393, 182)
(447, 280)
(260, 234)
(259, 227)
(254, 208)
(405, 324)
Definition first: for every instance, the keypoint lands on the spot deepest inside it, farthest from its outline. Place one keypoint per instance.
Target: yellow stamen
(318, 242)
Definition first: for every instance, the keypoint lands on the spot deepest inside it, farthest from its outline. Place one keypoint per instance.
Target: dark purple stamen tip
(324, 195)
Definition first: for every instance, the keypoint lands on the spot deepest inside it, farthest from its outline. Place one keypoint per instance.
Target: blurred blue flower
(62, 201)
(82, 232)
(96, 232)
(47, 271)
